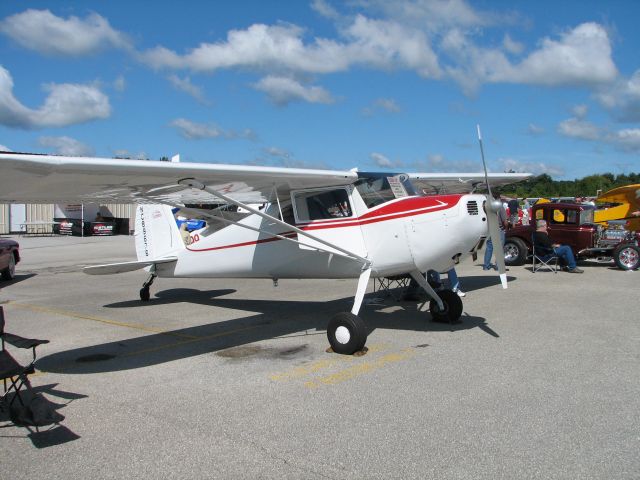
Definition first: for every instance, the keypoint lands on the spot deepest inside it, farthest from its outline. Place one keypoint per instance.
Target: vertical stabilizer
(156, 233)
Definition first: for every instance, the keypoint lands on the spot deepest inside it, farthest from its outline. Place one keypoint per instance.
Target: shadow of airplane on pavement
(275, 318)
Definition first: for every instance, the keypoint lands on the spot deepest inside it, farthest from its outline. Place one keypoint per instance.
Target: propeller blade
(492, 207)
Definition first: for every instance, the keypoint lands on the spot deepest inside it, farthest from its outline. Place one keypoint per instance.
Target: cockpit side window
(376, 189)
(322, 205)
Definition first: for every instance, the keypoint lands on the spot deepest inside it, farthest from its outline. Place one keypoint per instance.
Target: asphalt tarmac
(230, 379)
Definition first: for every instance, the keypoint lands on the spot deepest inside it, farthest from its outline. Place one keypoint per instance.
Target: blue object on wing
(192, 224)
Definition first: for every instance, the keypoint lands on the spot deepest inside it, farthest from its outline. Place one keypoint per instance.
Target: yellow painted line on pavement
(361, 369)
(66, 313)
(187, 338)
(324, 364)
(192, 340)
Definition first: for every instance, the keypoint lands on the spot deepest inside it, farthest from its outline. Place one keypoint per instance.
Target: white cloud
(66, 104)
(436, 162)
(435, 15)
(387, 44)
(281, 48)
(260, 47)
(383, 162)
(580, 111)
(198, 131)
(537, 168)
(324, 9)
(5, 149)
(277, 152)
(579, 128)
(185, 85)
(126, 154)
(120, 83)
(66, 146)
(534, 129)
(388, 105)
(580, 57)
(622, 98)
(511, 45)
(626, 140)
(44, 32)
(283, 90)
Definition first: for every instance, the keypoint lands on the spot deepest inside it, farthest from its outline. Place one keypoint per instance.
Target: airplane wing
(440, 183)
(37, 178)
(627, 194)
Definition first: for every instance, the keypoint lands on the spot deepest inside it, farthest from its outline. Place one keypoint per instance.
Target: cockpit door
(328, 213)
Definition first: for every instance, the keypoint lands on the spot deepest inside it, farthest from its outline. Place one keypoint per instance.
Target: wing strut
(193, 183)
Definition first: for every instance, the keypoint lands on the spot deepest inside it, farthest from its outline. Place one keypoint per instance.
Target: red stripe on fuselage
(406, 207)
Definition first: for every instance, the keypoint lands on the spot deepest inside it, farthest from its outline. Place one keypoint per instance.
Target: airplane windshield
(378, 188)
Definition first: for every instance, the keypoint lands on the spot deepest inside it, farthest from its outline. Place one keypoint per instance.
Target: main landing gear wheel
(347, 333)
(452, 307)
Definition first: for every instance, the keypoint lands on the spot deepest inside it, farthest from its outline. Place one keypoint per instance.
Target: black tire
(452, 307)
(347, 333)
(145, 295)
(9, 273)
(515, 251)
(627, 257)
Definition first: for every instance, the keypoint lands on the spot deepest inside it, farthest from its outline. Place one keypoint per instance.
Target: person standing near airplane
(502, 224)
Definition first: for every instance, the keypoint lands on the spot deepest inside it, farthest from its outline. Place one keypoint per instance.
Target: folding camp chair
(13, 373)
(543, 258)
(392, 286)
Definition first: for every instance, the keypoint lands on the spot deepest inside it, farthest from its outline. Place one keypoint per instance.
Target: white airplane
(312, 224)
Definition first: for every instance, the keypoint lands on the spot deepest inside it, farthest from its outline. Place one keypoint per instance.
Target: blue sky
(373, 84)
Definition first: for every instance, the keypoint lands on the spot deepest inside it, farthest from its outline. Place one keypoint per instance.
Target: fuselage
(395, 236)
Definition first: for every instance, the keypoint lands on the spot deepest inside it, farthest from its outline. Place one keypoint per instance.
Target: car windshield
(586, 216)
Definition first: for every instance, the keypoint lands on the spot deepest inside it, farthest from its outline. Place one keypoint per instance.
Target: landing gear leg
(446, 307)
(346, 331)
(145, 295)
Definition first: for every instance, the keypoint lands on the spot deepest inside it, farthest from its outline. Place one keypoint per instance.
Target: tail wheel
(347, 333)
(452, 307)
(627, 257)
(145, 295)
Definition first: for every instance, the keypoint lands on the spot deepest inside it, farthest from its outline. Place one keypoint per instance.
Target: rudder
(156, 232)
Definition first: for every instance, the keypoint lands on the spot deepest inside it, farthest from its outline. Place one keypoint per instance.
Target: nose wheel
(145, 293)
(452, 307)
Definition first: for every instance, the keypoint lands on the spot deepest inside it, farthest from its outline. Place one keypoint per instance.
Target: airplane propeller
(492, 207)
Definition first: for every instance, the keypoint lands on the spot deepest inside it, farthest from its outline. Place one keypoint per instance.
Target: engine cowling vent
(472, 208)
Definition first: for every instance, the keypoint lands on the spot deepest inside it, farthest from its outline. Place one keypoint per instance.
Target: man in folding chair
(543, 248)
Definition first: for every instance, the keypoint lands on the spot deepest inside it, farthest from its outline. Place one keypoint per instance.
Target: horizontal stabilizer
(123, 267)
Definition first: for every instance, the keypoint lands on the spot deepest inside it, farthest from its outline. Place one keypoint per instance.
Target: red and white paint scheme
(275, 223)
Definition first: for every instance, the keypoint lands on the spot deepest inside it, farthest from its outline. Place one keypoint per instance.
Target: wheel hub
(628, 257)
(343, 335)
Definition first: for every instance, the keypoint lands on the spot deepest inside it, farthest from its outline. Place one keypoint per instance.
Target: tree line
(590, 186)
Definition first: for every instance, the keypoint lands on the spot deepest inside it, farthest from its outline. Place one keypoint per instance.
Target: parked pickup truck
(572, 224)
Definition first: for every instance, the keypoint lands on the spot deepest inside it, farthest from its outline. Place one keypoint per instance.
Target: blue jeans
(454, 283)
(566, 254)
(488, 251)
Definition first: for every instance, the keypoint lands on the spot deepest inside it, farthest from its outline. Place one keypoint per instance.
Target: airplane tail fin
(156, 233)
